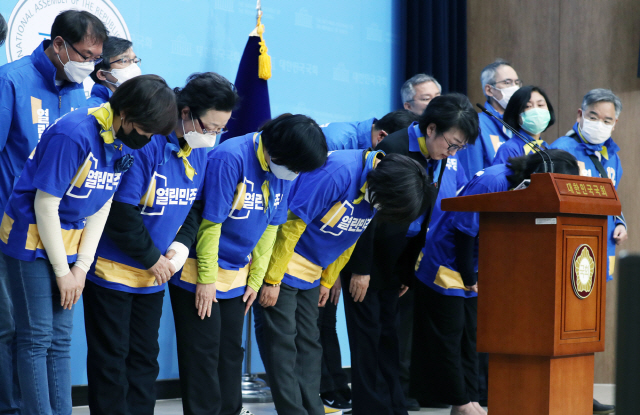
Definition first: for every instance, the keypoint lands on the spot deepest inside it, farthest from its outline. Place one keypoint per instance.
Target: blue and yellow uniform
(330, 202)
(79, 161)
(99, 95)
(240, 193)
(608, 156)
(30, 100)
(348, 135)
(516, 147)
(438, 269)
(164, 182)
(493, 134)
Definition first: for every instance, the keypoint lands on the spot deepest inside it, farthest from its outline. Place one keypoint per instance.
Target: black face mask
(134, 140)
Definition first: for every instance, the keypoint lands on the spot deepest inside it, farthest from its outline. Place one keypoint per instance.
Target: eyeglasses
(453, 147)
(95, 61)
(205, 131)
(509, 82)
(126, 61)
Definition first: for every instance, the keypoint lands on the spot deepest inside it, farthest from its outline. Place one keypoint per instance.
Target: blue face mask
(535, 120)
(281, 172)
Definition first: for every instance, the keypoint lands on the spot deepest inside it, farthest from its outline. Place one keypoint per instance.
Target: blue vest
(515, 147)
(480, 155)
(29, 102)
(612, 166)
(158, 185)
(348, 135)
(70, 162)
(99, 95)
(438, 269)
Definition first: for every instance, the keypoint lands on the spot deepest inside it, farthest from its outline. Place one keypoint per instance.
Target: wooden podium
(542, 290)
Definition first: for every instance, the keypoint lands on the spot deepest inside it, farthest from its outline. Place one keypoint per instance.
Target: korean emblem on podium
(583, 271)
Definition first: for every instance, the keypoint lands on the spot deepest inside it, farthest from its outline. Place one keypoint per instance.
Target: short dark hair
(524, 166)
(3, 30)
(74, 26)
(148, 101)
(295, 141)
(401, 188)
(206, 91)
(451, 111)
(518, 103)
(396, 120)
(112, 47)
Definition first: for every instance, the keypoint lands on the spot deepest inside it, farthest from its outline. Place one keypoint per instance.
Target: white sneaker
(245, 411)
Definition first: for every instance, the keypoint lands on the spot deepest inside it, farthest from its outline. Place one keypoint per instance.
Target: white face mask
(281, 172)
(595, 132)
(507, 93)
(123, 75)
(76, 71)
(198, 140)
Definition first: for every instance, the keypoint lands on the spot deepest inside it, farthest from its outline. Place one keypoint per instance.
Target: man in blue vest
(35, 91)
(499, 82)
(591, 143)
(418, 91)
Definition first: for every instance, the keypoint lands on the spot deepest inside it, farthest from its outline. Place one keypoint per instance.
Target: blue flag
(254, 109)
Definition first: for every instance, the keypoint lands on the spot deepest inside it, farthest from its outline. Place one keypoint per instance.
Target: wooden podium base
(539, 385)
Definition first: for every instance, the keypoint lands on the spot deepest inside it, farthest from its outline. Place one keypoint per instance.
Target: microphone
(534, 146)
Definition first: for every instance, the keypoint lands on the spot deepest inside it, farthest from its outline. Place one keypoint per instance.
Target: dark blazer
(383, 251)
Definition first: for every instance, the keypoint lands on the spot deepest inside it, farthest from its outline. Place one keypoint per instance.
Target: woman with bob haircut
(245, 193)
(328, 211)
(445, 319)
(125, 292)
(529, 112)
(55, 217)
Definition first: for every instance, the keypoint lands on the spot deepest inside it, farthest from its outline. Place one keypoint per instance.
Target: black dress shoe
(600, 408)
(411, 404)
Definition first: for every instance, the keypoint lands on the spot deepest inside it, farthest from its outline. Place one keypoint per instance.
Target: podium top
(549, 193)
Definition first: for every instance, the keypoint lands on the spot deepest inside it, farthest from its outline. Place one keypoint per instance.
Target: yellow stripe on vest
(334, 214)
(70, 237)
(150, 196)
(448, 278)
(303, 269)
(82, 173)
(124, 274)
(238, 199)
(227, 279)
(5, 228)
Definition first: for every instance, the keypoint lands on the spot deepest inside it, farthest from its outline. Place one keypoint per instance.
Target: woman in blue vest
(245, 194)
(447, 289)
(125, 291)
(530, 112)
(328, 211)
(55, 217)
(119, 64)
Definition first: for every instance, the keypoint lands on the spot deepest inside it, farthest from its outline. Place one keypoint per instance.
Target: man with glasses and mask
(119, 64)
(35, 91)
(590, 141)
(418, 91)
(382, 264)
(499, 82)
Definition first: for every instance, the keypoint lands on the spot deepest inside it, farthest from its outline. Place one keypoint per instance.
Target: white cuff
(182, 253)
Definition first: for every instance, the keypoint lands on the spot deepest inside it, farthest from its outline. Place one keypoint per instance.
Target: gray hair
(602, 95)
(407, 92)
(488, 74)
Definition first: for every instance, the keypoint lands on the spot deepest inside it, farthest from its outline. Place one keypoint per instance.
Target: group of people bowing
(121, 195)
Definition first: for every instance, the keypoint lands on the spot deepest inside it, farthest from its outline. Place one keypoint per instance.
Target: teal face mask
(535, 120)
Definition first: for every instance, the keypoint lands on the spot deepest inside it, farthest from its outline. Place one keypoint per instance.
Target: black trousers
(405, 336)
(333, 378)
(444, 364)
(373, 340)
(210, 354)
(292, 352)
(122, 357)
